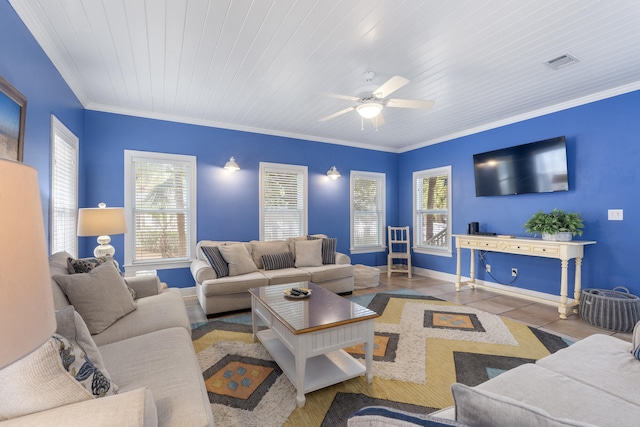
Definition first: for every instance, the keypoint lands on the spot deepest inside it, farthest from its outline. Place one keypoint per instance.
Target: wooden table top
(321, 310)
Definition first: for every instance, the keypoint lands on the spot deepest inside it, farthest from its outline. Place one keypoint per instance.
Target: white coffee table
(306, 336)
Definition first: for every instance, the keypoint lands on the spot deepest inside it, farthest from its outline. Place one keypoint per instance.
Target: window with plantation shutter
(432, 211)
(64, 189)
(283, 201)
(368, 206)
(160, 204)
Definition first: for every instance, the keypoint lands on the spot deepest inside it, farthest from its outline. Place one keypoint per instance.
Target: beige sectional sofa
(223, 294)
(148, 355)
(593, 382)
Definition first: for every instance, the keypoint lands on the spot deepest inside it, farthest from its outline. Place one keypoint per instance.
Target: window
(64, 189)
(368, 220)
(283, 201)
(432, 211)
(160, 204)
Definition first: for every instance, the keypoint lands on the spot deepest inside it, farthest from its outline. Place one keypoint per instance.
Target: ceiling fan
(371, 99)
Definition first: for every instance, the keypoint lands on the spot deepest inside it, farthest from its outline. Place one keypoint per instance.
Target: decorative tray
(303, 293)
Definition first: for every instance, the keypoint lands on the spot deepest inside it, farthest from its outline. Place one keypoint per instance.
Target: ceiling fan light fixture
(369, 110)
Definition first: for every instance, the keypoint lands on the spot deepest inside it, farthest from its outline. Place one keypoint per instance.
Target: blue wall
(228, 205)
(603, 156)
(28, 69)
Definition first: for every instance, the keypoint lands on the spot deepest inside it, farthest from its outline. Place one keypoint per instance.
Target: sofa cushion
(278, 261)
(308, 253)
(329, 272)
(234, 284)
(165, 310)
(258, 249)
(216, 260)
(71, 326)
(600, 361)
(100, 296)
(287, 275)
(562, 397)
(328, 248)
(478, 407)
(238, 258)
(163, 361)
(38, 382)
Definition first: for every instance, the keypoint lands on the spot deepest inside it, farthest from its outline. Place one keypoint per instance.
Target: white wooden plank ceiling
(259, 65)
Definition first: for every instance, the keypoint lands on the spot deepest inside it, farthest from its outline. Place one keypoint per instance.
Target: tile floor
(538, 315)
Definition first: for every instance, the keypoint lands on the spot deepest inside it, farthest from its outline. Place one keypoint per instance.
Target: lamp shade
(101, 221)
(369, 110)
(27, 316)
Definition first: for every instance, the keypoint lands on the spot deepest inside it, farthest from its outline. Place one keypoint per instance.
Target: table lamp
(27, 318)
(101, 222)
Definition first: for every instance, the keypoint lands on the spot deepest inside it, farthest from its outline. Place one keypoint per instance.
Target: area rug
(422, 346)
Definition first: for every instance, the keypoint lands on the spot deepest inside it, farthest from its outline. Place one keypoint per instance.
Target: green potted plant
(556, 225)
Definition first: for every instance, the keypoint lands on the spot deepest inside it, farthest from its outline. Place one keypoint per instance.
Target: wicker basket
(615, 310)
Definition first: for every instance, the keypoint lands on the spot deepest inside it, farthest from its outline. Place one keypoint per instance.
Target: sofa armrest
(201, 271)
(342, 258)
(133, 408)
(145, 286)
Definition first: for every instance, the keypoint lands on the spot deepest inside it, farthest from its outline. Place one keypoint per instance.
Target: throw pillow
(475, 406)
(328, 249)
(381, 415)
(39, 381)
(85, 265)
(278, 261)
(238, 258)
(72, 327)
(259, 248)
(635, 341)
(100, 296)
(215, 260)
(308, 253)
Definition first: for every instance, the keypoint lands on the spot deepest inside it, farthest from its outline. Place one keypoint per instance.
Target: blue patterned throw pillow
(328, 248)
(75, 361)
(278, 261)
(216, 261)
(380, 415)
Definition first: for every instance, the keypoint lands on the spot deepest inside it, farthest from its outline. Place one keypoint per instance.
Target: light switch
(615, 214)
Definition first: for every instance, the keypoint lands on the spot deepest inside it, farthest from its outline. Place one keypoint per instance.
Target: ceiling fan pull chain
(362, 118)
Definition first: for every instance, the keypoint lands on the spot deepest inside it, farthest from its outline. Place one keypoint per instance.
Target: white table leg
(472, 269)
(301, 363)
(458, 250)
(562, 309)
(368, 353)
(577, 285)
(254, 319)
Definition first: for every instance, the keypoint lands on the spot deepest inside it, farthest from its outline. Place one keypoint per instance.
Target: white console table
(564, 251)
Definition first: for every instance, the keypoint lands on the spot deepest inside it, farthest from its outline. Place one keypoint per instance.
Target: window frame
(58, 129)
(132, 265)
(287, 168)
(431, 250)
(381, 179)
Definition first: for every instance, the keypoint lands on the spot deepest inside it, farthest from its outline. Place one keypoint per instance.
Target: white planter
(563, 236)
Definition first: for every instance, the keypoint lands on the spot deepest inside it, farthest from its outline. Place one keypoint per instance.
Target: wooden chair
(399, 248)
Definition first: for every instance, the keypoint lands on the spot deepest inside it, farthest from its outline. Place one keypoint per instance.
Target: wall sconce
(231, 166)
(333, 173)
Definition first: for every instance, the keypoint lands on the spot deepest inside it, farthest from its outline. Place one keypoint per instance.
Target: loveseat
(593, 382)
(146, 355)
(298, 259)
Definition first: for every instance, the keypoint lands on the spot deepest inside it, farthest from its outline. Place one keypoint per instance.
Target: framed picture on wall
(13, 110)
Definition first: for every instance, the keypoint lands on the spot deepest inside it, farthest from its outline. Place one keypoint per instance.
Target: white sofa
(594, 382)
(148, 354)
(223, 294)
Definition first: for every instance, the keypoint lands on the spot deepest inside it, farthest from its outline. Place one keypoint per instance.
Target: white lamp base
(104, 248)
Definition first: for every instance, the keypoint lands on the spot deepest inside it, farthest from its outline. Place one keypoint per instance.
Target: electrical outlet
(488, 268)
(514, 272)
(615, 214)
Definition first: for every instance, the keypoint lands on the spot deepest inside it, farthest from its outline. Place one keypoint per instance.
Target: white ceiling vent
(562, 61)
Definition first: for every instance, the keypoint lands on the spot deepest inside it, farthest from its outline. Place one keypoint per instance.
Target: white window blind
(160, 207)
(432, 211)
(283, 204)
(368, 206)
(64, 189)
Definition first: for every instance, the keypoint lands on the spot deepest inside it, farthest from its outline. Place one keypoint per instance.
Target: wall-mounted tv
(537, 167)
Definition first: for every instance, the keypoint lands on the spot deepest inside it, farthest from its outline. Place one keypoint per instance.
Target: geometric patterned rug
(422, 346)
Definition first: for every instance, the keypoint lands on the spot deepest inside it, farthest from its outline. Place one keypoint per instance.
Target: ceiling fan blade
(335, 95)
(410, 103)
(390, 86)
(334, 115)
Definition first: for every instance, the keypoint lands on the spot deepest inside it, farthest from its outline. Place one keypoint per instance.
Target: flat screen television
(537, 167)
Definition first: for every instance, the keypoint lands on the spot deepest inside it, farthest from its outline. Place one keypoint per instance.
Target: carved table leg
(458, 250)
(577, 286)
(562, 309)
